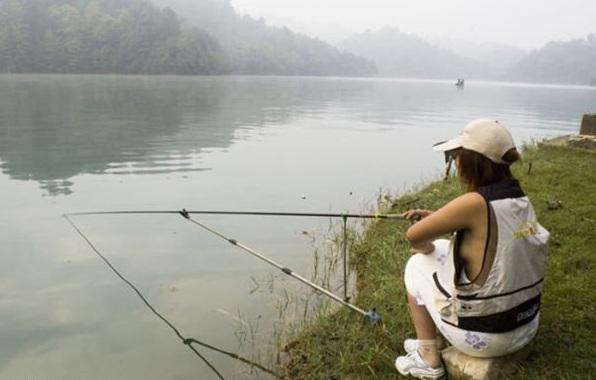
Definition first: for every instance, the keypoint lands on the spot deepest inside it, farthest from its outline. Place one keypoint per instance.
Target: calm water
(74, 143)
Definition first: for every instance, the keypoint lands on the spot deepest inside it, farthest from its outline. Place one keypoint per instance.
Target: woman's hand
(465, 212)
(416, 215)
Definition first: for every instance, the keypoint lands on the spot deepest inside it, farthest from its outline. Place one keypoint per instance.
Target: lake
(92, 143)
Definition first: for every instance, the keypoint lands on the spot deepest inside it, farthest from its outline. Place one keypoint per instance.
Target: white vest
(506, 293)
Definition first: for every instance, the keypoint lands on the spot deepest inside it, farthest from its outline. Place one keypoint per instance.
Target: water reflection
(53, 128)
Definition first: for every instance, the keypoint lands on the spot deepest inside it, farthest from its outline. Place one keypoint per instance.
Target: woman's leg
(426, 333)
(422, 359)
(418, 281)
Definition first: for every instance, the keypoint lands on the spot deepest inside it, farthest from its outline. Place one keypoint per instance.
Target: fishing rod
(370, 315)
(255, 213)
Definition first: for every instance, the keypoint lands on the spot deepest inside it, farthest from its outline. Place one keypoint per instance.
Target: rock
(556, 141)
(462, 366)
(576, 141)
(583, 141)
(588, 125)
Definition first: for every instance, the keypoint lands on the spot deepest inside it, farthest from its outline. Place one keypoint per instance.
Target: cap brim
(446, 146)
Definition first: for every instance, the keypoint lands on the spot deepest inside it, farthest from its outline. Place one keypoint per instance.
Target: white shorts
(420, 285)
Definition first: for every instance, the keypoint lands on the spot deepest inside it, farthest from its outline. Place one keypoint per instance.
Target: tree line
(137, 37)
(406, 55)
(253, 47)
(572, 61)
(101, 36)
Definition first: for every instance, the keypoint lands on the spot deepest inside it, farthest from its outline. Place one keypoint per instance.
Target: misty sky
(523, 23)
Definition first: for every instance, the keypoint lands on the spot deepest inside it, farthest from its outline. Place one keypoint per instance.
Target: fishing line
(371, 315)
(186, 341)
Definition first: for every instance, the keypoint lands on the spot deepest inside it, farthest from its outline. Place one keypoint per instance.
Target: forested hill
(559, 62)
(253, 47)
(102, 36)
(139, 37)
(406, 55)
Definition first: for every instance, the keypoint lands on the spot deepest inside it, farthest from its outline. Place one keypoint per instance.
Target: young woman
(480, 290)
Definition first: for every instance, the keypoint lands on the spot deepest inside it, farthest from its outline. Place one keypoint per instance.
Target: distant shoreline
(482, 82)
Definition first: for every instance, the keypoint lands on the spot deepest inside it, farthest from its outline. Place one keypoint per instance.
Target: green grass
(562, 186)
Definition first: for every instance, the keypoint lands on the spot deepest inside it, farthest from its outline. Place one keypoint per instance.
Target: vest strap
(473, 297)
(501, 322)
(439, 286)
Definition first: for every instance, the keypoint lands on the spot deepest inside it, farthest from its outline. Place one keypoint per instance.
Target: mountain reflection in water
(53, 128)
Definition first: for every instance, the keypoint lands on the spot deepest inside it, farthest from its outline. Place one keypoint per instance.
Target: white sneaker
(413, 365)
(411, 345)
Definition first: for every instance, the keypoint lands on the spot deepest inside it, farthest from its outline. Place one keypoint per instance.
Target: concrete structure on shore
(588, 125)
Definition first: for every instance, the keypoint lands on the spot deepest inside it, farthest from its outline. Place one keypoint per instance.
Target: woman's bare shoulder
(464, 210)
(471, 200)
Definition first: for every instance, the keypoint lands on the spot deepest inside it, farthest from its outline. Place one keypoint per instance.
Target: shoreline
(449, 81)
(340, 345)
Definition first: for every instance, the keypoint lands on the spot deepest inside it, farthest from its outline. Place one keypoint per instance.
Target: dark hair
(476, 170)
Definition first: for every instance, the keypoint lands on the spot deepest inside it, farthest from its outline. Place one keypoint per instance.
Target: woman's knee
(414, 263)
(420, 267)
(412, 271)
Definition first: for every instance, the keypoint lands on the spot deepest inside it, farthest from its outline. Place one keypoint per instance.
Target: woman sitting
(481, 290)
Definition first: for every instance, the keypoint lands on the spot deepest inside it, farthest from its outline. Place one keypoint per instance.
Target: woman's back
(474, 239)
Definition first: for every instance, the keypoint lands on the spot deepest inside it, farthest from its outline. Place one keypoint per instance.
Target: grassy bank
(562, 186)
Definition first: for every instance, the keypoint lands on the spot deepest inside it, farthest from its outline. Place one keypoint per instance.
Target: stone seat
(462, 366)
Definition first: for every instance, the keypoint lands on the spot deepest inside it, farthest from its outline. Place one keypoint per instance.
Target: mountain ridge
(572, 62)
(255, 48)
(209, 37)
(400, 54)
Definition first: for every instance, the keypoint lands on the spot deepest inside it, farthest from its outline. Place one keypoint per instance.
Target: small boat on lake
(460, 83)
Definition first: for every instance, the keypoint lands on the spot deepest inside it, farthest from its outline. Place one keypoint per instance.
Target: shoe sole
(426, 376)
(418, 375)
(400, 371)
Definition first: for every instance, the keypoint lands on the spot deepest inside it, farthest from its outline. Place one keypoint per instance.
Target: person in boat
(481, 289)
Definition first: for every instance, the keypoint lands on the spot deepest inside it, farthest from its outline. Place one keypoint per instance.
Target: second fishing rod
(371, 315)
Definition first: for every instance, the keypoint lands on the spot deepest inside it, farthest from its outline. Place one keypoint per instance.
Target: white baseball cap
(485, 136)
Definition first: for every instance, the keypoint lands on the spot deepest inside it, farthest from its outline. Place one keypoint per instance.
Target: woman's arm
(461, 213)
